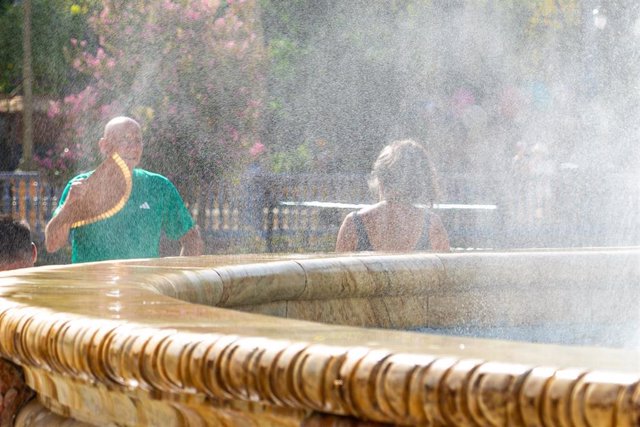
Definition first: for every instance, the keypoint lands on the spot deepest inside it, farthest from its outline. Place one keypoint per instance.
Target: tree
(356, 74)
(54, 22)
(189, 71)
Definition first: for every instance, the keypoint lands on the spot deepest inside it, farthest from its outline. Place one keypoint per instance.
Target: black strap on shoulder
(363, 243)
(424, 244)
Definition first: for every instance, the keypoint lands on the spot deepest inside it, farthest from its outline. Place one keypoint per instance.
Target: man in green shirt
(154, 206)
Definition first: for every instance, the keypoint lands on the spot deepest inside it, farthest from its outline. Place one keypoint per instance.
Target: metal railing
(24, 195)
(264, 212)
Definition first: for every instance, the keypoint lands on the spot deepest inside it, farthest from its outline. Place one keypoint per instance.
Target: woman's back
(392, 227)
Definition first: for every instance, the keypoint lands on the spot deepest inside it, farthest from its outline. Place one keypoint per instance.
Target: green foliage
(54, 23)
(294, 161)
(353, 72)
(308, 156)
(188, 71)
(332, 76)
(10, 49)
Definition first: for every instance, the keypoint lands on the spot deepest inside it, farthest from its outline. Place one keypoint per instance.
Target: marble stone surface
(186, 341)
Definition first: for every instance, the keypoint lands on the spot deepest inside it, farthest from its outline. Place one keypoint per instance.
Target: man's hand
(57, 231)
(192, 244)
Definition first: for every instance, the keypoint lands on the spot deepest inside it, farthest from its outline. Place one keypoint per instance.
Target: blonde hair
(403, 172)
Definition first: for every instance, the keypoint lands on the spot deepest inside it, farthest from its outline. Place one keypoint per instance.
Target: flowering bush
(314, 156)
(57, 166)
(189, 71)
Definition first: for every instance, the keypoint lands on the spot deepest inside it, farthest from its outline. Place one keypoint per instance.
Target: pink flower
(54, 109)
(218, 24)
(211, 5)
(257, 149)
(461, 99)
(104, 15)
(105, 110)
(234, 134)
(169, 5)
(192, 15)
(172, 109)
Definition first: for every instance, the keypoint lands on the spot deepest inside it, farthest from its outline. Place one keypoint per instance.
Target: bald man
(154, 208)
(16, 248)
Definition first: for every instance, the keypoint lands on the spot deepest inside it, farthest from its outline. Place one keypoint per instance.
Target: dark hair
(15, 240)
(405, 172)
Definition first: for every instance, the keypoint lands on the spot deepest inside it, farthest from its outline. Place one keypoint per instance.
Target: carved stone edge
(82, 363)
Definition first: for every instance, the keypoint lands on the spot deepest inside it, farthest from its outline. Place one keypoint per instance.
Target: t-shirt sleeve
(177, 218)
(63, 197)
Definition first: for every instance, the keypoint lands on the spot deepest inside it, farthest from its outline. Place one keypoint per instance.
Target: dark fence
(24, 195)
(295, 213)
(262, 212)
(573, 208)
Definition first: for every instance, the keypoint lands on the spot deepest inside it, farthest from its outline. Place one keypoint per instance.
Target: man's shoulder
(82, 175)
(152, 179)
(148, 175)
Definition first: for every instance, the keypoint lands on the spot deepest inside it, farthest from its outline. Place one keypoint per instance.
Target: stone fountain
(270, 340)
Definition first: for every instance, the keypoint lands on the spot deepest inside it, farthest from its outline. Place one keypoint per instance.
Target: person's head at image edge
(17, 250)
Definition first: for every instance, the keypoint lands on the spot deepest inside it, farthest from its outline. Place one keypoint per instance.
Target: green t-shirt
(154, 207)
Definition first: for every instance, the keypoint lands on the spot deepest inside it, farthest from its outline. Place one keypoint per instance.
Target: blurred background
(267, 114)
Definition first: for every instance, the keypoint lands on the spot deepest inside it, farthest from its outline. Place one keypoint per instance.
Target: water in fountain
(532, 107)
(529, 108)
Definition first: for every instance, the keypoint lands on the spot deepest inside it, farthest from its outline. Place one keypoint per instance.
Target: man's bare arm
(56, 234)
(192, 244)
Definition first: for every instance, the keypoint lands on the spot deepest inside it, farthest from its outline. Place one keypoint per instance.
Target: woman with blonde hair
(401, 221)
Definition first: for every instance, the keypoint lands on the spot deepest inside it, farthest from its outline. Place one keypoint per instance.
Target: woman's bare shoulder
(434, 218)
(368, 210)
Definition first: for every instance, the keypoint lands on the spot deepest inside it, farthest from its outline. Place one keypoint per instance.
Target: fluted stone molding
(185, 341)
